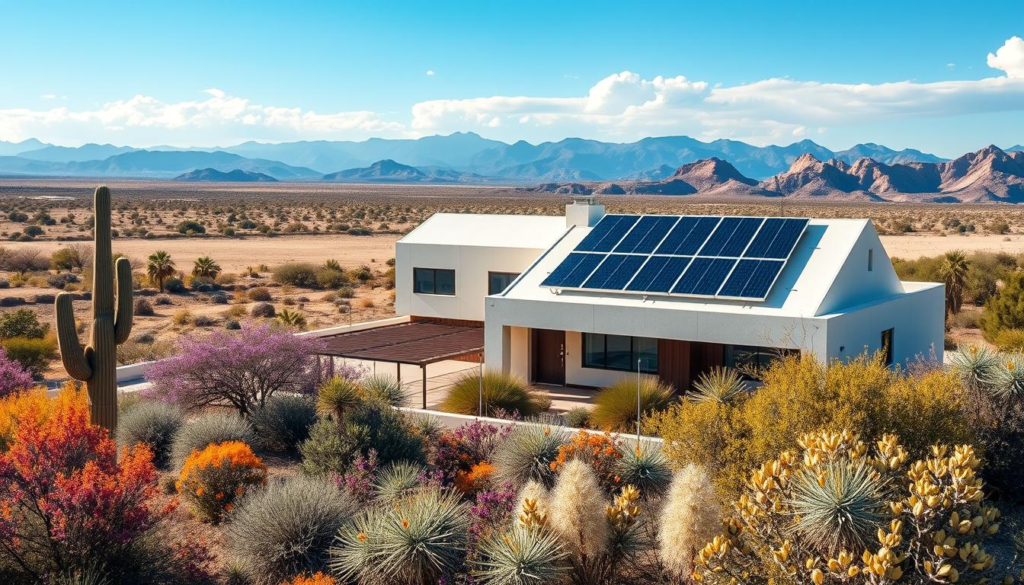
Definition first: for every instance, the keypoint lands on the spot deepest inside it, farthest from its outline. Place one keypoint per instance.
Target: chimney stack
(584, 211)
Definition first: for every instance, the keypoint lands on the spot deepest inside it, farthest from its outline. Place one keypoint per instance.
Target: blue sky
(205, 73)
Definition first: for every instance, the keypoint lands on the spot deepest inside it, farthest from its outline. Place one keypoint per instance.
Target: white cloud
(218, 118)
(430, 72)
(1009, 58)
(48, 96)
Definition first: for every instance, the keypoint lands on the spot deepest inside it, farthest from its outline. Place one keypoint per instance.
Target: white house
(584, 299)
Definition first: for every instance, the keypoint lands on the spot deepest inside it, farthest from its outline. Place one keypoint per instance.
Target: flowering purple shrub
(238, 368)
(360, 478)
(459, 450)
(13, 377)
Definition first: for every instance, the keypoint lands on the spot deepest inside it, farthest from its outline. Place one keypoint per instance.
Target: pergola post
(398, 372)
(424, 369)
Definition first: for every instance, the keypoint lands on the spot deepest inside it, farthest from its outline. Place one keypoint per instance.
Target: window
(433, 281)
(751, 359)
(887, 346)
(620, 352)
(871, 258)
(497, 282)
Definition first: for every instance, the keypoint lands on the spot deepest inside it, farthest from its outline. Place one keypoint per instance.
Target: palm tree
(159, 267)
(955, 267)
(206, 267)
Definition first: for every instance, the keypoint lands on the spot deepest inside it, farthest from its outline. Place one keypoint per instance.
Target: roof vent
(584, 211)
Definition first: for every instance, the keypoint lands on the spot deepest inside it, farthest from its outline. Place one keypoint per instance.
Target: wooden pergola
(419, 343)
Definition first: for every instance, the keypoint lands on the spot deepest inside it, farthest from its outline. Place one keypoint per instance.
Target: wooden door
(549, 357)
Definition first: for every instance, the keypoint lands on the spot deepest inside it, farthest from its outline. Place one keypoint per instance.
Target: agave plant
(290, 318)
(975, 365)
(384, 388)
(418, 539)
(521, 556)
(1008, 379)
(526, 454)
(645, 467)
(722, 385)
(838, 507)
(397, 480)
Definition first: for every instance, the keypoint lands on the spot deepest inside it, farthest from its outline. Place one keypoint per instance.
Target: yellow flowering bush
(212, 479)
(837, 511)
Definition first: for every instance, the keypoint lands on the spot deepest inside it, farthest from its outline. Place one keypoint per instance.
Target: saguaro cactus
(96, 363)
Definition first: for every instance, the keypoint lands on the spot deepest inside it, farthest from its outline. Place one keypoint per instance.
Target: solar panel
(724, 257)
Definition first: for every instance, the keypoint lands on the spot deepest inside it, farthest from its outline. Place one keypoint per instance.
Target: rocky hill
(235, 176)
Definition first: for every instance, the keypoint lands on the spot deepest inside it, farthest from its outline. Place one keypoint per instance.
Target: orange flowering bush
(476, 479)
(67, 502)
(599, 451)
(314, 579)
(212, 479)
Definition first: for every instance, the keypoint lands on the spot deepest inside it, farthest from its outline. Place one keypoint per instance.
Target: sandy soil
(913, 246)
(235, 254)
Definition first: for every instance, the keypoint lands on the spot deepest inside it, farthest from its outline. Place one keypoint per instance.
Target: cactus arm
(71, 352)
(124, 312)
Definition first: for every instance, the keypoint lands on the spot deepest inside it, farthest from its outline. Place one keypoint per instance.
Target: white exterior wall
(471, 265)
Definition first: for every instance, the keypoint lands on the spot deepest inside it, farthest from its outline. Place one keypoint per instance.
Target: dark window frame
(513, 276)
(644, 368)
(761, 356)
(886, 345)
(433, 280)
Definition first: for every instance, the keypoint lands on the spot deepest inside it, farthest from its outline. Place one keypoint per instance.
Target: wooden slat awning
(418, 343)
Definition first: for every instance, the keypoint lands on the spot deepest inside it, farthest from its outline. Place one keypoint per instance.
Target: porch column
(423, 368)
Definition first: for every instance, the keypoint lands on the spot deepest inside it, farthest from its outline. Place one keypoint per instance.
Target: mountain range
(215, 176)
(990, 175)
(468, 154)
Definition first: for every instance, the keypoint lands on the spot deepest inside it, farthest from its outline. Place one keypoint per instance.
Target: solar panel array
(694, 256)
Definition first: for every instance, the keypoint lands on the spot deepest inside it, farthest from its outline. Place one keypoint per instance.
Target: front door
(549, 357)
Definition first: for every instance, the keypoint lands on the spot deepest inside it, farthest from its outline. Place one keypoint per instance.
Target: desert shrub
(1004, 310)
(599, 451)
(207, 429)
(1009, 340)
(62, 280)
(287, 529)
(301, 274)
(526, 455)
(33, 354)
(153, 424)
(502, 393)
(615, 407)
(265, 310)
(260, 293)
(204, 321)
(331, 278)
(174, 285)
(368, 425)
(383, 388)
(577, 418)
(284, 422)
(420, 539)
(842, 508)
(397, 480)
(346, 292)
(800, 395)
(645, 467)
(22, 323)
(143, 308)
(211, 480)
(691, 518)
(362, 274)
(68, 258)
(14, 377)
(202, 283)
(241, 369)
(462, 456)
(191, 226)
(182, 317)
(722, 385)
(135, 351)
(70, 504)
(964, 320)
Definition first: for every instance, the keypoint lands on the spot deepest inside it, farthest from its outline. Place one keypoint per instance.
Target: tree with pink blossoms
(13, 377)
(238, 368)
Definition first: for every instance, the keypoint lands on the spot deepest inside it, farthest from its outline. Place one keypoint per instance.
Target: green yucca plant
(615, 407)
(721, 385)
(418, 539)
(501, 393)
(384, 388)
(645, 467)
(397, 480)
(839, 507)
(526, 454)
(975, 365)
(290, 318)
(337, 395)
(520, 557)
(1008, 379)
